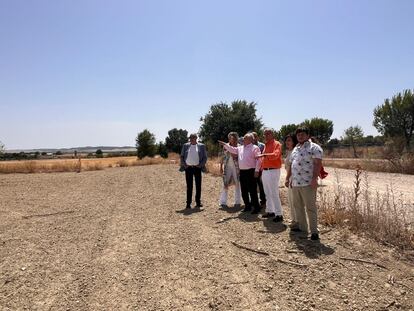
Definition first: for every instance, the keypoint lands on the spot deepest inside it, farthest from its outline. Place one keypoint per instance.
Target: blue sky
(94, 72)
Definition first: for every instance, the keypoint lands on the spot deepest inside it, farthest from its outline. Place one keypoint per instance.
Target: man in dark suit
(193, 162)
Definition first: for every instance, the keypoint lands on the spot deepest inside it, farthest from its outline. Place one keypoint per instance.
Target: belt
(270, 168)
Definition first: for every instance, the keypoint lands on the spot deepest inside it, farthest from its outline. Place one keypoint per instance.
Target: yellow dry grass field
(77, 165)
(365, 152)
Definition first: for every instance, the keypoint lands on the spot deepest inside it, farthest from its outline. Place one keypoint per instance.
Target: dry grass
(403, 165)
(40, 166)
(76, 165)
(213, 166)
(386, 217)
(365, 152)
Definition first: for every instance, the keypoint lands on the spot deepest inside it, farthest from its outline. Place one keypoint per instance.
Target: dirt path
(119, 239)
(377, 181)
(399, 183)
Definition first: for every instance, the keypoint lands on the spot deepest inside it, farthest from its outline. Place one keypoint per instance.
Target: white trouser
(237, 192)
(270, 180)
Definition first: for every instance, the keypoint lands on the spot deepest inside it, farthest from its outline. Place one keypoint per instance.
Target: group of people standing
(249, 164)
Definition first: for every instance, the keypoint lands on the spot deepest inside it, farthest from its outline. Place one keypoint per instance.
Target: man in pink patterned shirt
(249, 165)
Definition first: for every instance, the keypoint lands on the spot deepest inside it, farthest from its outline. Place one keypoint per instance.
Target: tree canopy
(145, 144)
(99, 153)
(395, 117)
(353, 135)
(176, 139)
(321, 129)
(162, 150)
(285, 130)
(240, 116)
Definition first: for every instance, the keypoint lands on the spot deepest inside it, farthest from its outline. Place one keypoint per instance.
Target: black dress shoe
(278, 218)
(256, 210)
(199, 205)
(268, 215)
(247, 209)
(295, 229)
(188, 206)
(314, 236)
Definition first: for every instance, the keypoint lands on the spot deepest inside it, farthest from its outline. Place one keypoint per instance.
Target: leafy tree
(176, 139)
(286, 129)
(240, 116)
(371, 140)
(379, 140)
(99, 153)
(145, 144)
(58, 152)
(333, 142)
(162, 150)
(395, 117)
(322, 129)
(368, 140)
(2, 154)
(353, 135)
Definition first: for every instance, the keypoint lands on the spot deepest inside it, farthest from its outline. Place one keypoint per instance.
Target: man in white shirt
(193, 161)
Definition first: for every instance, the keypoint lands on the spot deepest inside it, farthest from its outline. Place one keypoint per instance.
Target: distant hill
(86, 149)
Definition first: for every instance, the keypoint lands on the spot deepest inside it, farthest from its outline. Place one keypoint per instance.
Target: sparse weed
(402, 164)
(381, 215)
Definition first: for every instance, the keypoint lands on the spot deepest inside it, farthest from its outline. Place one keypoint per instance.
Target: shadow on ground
(189, 211)
(311, 249)
(231, 210)
(272, 227)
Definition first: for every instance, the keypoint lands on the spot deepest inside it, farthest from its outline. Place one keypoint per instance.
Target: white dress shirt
(193, 157)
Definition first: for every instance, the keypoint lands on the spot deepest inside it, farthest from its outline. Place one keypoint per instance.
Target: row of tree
(147, 146)
(394, 119)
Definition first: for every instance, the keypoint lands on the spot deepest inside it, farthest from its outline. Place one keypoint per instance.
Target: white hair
(249, 135)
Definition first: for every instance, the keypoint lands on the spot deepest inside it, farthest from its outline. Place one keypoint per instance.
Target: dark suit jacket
(202, 155)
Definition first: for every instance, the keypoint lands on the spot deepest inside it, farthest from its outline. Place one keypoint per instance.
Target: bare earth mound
(119, 240)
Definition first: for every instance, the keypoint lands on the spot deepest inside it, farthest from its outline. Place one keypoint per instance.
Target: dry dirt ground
(377, 181)
(119, 239)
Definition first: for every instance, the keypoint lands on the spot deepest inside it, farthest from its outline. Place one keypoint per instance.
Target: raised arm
(276, 153)
(231, 149)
